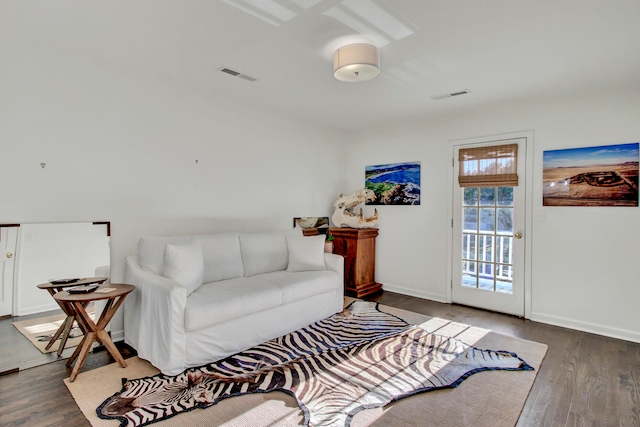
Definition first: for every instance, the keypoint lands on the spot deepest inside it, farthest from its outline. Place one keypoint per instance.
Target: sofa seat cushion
(218, 302)
(296, 286)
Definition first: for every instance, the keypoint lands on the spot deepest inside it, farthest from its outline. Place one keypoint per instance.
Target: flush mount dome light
(356, 63)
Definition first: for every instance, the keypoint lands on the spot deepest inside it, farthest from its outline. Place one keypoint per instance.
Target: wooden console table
(358, 246)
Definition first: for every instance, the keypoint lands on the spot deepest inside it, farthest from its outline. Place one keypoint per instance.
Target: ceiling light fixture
(356, 63)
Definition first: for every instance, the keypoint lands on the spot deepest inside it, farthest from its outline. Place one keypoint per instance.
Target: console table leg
(65, 335)
(86, 346)
(76, 352)
(57, 334)
(104, 337)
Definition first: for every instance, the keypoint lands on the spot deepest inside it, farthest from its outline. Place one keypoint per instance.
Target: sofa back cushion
(151, 251)
(220, 253)
(225, 255)
(222, 258)
(264, 252)
(182, 263)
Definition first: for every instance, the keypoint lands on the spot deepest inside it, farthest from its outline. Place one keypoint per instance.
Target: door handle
(9, 255)
(518, 235)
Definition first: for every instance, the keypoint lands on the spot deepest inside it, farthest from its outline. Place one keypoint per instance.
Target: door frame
(10, 288)
(527, 180)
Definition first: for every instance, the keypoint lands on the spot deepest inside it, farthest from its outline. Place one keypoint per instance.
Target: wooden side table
(358, 246)
(65, 328)
(94, 331)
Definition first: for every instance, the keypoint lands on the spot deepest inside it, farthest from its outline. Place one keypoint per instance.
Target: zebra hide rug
(360, 358)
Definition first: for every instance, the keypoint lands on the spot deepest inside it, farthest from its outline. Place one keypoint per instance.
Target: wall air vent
(237, 74)
(450, 95)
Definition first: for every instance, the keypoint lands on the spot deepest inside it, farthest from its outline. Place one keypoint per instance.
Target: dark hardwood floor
(585, 379)
(16, 352)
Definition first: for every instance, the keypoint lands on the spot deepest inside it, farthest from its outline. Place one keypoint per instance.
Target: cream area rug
(493, 398)
(40, 330)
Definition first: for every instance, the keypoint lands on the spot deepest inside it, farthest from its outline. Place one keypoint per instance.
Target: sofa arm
(334, 262)
(154, 318)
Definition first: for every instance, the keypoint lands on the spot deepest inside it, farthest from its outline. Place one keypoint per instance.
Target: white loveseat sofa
(202, 298)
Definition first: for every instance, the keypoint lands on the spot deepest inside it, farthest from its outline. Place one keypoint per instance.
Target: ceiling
(500, 50)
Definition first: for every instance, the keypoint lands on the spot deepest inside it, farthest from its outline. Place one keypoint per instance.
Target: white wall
(122, 148)
(584, 260)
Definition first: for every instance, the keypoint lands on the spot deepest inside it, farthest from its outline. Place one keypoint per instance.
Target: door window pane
(485, 248)
(485, 276)
(505, 220)
(470, 219)
(504, 278)
(505, 196)
(469, 274)
(469, 246)
(470, 196)
(503, 249)
(487, 219)
(487, 196)
(504, 287)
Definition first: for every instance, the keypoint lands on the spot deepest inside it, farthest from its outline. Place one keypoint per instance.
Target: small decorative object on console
(84, 289)
(344, 205)
(312, 225)
(63, 281)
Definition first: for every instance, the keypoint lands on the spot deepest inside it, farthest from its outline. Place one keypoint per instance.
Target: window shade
(494, 166)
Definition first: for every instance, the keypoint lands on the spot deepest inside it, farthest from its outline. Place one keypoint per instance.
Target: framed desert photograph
(591, 176)
(394, 183)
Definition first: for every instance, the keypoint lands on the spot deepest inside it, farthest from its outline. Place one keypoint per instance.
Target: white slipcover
(247, 298)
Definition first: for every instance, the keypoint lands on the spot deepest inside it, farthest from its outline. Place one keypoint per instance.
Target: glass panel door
(488, 249)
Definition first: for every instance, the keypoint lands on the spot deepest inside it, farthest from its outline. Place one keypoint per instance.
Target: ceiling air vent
(237, 74)
(450, 95)
(251, 79)
(228, 71)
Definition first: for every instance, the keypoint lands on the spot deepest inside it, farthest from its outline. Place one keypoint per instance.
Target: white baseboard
(564, 322)
(117, 335)
(414, 293)
(39, 309)
(593, 328)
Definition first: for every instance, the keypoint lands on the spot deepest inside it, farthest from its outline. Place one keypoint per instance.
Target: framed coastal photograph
(605, 175)
(394, 183)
